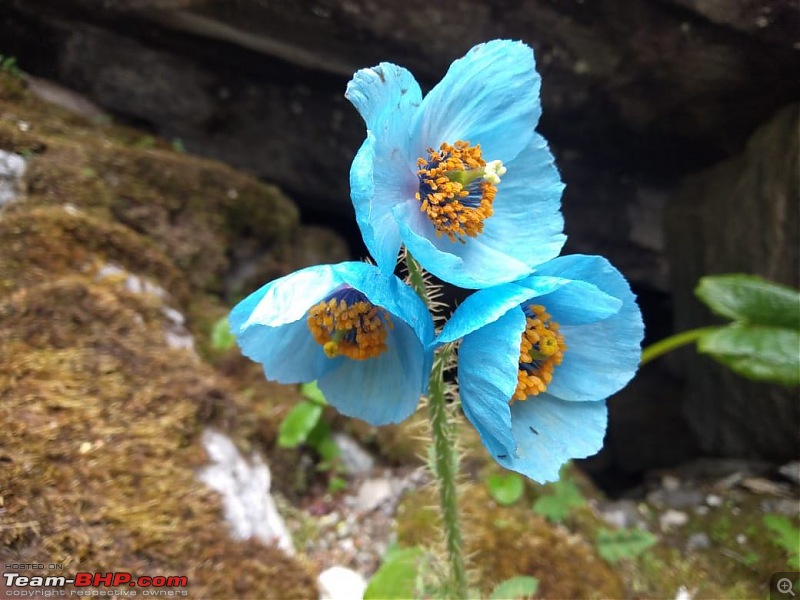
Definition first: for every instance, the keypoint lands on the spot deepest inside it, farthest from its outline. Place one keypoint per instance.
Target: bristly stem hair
(443, 434)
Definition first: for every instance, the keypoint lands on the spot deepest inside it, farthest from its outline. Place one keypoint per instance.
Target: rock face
(635, 94)
(740, 216)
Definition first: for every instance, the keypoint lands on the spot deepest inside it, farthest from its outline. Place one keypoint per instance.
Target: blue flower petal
(489, 97)
(487, 305)
(277, 303)
(374, 210)
(527, 222)
(381, 390)
(549, 432)
(471, 265)
(487, 375)
(271, 328)
(386, 96)
(573, 302)
(383, 173)
(390, 293)
(270, 325)
(601, 357)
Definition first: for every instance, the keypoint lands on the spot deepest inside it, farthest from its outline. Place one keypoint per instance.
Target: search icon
(784, 586)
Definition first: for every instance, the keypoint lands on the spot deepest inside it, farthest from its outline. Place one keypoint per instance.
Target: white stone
(671, 519)
(373, 493)
(247, 504)
(683, 594)
(670, 483)
(12, 168)
(355, 459)
(340, 583)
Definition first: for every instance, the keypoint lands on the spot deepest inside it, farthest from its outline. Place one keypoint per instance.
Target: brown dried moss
(506, 541)
(42, 244)
(100, 445)
(196, 211)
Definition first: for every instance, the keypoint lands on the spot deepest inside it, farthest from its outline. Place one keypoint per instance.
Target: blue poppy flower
(460, 177)
(540, 356)
(364, 336)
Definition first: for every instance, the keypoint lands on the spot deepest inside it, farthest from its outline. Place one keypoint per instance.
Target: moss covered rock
(103, 396)
(506, 541)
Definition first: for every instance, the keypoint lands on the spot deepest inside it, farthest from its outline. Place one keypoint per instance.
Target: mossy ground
(99, 446)
(506, 541)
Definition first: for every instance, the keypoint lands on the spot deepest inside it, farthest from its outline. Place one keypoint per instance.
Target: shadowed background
(674, 124)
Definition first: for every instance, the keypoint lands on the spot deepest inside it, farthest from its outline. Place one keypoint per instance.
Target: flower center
(540, 351)
(345, 323)
(457, 188)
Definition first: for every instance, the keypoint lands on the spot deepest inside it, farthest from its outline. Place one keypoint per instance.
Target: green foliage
(221, 336)
(787, 537)
(505, 488)
(304, 425)
(312, 393)
(556, 506)
(298, 424)
(146, 142)
(756, 352)
(516, 587)
(750, 299)
(397, 577)
(8, 64)
(620, 544)
(178, 146)
(762, 341)
(336, 484)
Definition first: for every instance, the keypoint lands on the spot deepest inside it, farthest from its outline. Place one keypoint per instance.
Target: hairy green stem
(445, 455)
(446, 459)
(416, 279)
(653, 351)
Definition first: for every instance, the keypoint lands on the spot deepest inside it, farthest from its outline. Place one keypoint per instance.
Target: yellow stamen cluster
(540, 352)
(444, 176)
(356, 330)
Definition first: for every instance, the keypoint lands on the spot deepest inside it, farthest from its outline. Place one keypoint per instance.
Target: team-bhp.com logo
(18, 585)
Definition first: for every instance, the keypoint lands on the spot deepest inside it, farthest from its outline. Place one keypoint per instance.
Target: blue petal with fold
(549, 432)
(383, 174)
(487, 305)
(271, 328)
(489, 97)
(471, 265)
(602, 356)
(527, 222)
(490, 356)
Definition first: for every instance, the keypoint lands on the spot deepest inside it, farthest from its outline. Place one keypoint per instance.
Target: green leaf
(221, 337)
(505, 488)
(515, 587)
(621, 544)
(327, 449)
(298, 424)
(751, 299)
(397, 576)
(556, 506)
(788, 537)
(756, 351)
(336, 484)
(312, 393)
